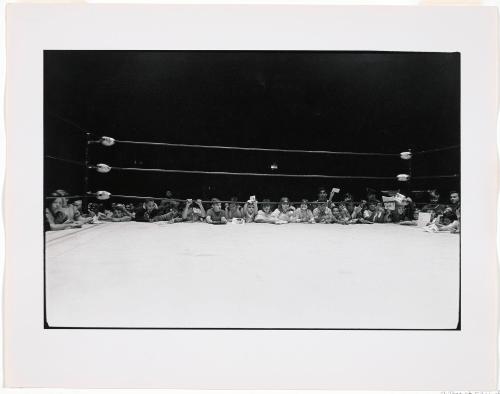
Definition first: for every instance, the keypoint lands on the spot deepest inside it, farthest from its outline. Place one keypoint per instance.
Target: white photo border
(36, 357)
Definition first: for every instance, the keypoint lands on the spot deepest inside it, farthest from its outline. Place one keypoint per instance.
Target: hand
(198, 201)
(189, 201)
(223, 220)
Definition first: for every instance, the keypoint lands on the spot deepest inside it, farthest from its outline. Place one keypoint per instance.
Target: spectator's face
(303, 206)
(250, 208)
(266, 208)
(371, 207)
(335, 211)
(285, 204)
(446, 221)
(322, 208)
(78, 205)
(150, 205)
(434, 197)
(129, 207)
(322, 195)
(454, 198)
(216, 206)
(415, 214)
(370, 196)
(56, 204)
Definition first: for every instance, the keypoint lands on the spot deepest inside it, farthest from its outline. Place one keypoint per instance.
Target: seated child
(147, 212)
(412, 222)
(169, 212)
(375, 212)
(265, 215)
(357, 214)
(448, 221)
(344, 213)
(322, 214)
(339, 215)
(303, 214)
(215, 214)
(250, 211)
(193, 211)
(284, 212)
(120, 213)
(233, 210)
(131, 209)
(57, 218)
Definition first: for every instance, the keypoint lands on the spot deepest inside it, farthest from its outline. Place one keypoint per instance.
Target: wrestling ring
(251, 276)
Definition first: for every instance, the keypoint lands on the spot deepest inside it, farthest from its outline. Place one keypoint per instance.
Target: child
(216, 215)
(285, 211)
(169, 212)
(322, 214)
(147, 212)
(265, 215)
(120, 213)
(303, 214)
(375, 213)
(413, 222)
(250, 210)
(57, 218)
(339, 216)
(233, 210)
(193, 213)
(357, 214)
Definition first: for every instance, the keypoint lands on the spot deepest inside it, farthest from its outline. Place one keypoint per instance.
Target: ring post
(86, 176)
(410, 171)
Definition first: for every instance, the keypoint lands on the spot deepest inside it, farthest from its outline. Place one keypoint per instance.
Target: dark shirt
(216, 216)
(142, 215)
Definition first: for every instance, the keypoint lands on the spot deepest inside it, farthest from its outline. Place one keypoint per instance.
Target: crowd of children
(62, 214)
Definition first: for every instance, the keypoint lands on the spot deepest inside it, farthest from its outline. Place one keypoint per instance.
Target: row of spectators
(62, 214)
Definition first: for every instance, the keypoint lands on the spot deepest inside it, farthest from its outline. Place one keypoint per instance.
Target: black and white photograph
(203, 189)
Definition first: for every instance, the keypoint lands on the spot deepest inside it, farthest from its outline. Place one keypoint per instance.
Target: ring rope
(436, 176)
(81, 130)
(183, 200)
(438, 149)
(79, 163)
(326, 152)
(247, 173)
(67, 197)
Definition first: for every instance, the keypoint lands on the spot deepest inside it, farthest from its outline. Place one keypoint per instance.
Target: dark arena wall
(379, 102)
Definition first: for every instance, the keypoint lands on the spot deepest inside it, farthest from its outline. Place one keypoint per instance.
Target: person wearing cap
(215, 214)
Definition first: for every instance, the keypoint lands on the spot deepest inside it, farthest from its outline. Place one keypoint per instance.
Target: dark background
(384, 102)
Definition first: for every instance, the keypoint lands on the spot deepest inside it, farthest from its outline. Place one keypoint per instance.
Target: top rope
(324, 152)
